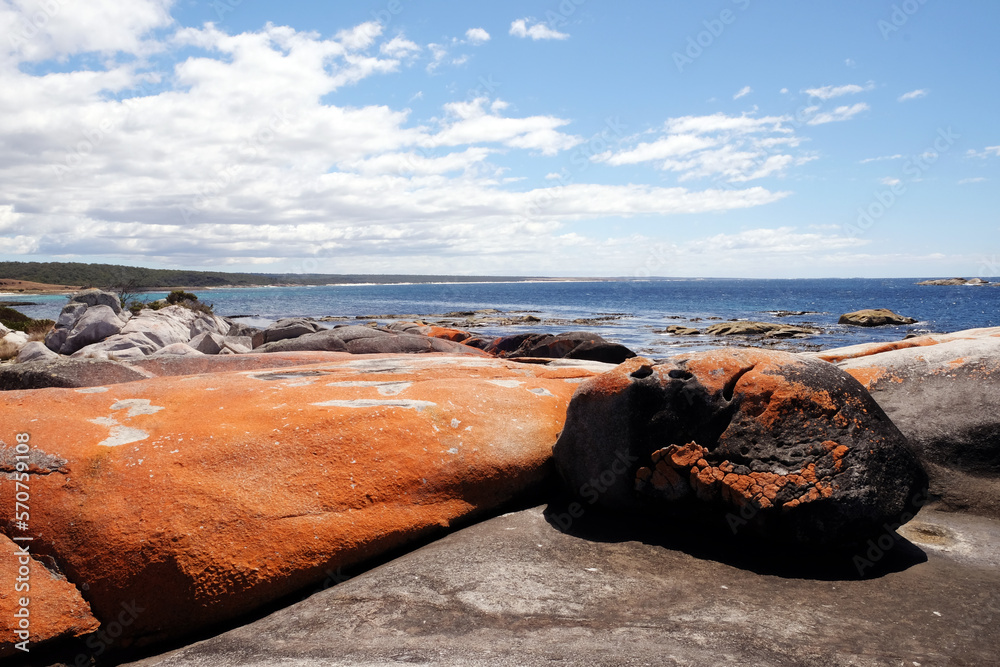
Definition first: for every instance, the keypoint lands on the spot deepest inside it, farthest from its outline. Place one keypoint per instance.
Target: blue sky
(575, 138)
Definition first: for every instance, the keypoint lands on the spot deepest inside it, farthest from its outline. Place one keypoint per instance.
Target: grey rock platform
(517, 590)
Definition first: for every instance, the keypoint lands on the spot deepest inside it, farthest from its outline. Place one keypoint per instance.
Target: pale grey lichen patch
(375, 403)
(136, 407)
(509, 384)
(91, 390)
(119, 435)
(384, 388)
(39, 463)
(541, 391)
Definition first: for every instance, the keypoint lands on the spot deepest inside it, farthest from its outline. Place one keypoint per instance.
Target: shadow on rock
(709, 537)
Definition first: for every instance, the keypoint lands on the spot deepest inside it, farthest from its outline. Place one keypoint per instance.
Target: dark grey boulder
(569, 345)
(874, 317)
(775, 444)
(291, 327)
(365, 340)
(66, 373)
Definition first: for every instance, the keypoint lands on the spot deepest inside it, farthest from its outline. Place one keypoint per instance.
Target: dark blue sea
(645, 307)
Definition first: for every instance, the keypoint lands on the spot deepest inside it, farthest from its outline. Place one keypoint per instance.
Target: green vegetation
(18, 321)
(131, 279)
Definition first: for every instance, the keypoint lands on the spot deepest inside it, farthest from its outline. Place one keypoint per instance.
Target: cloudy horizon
(574, 140)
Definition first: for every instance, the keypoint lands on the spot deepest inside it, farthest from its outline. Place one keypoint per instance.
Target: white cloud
(913, 95)
(736, 149)
(783, 91)
(399, 47)
(829, 92)
(989, 151)
(477, 36)
(977, 179)
(535, 31)
(36, 30)
(743, 92)
(882, 158)
(888, 180)
(187, 164)
(850, 62)
(779, 241)
(839, 114)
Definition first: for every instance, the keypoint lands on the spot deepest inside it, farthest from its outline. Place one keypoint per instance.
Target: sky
(727, 138)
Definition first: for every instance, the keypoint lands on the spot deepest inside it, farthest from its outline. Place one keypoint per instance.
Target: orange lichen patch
(837, 452)
(955, 363)
(676, 469)
(616, 380)
(456, 335)
(854, 352)
(867, 376)
(203, 497)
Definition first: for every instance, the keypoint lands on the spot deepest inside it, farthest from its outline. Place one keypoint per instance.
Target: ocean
(643, 308)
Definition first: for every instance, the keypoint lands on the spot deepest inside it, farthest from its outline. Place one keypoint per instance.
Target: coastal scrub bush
(188, 300)
(179, 296)
(18, 321)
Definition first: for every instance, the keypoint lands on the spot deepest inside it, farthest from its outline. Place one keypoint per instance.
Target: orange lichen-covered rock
(201, 497)
(36, 603)
(792, 446)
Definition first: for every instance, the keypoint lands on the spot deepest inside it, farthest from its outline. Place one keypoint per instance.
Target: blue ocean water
(648, 306)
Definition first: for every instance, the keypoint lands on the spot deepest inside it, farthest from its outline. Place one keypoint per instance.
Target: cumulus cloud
(536, 30)
(732, 148)
(912, 95)
(829, 92)
(743, 92)
(477, 36)
(239, 151)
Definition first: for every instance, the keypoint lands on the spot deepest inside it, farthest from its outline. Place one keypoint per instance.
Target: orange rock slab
(55, 608)
(198, 498)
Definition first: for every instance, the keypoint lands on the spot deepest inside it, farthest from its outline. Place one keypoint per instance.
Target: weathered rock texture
(942, 392)
(203, 497)
(874, 317)
(766, 329)
(791, 447)
(424, 329)
(55, 608)
(365, 340)
(515, 590)
(570, 345)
